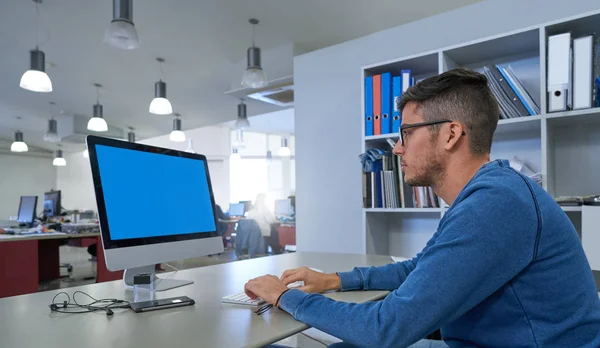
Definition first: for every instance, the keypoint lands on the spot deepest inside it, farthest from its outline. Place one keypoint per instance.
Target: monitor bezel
(35, 202)
(107, 241)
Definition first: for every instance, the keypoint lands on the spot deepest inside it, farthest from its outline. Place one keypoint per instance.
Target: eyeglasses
(403, 128)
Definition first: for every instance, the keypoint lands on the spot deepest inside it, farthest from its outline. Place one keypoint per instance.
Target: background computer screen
(27, 209)
(52, 203)
(282, 207)
(152, 195)
(236, 209)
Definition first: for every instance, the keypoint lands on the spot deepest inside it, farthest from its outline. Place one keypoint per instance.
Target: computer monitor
(52, 203)
(154, 205)
(27, 209)
(236, 209)
(283, 207)
(247, 205)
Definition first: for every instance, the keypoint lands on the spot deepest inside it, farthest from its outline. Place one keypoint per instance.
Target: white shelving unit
(563, 146)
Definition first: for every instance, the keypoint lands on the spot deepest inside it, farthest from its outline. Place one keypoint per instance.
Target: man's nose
(398, 149)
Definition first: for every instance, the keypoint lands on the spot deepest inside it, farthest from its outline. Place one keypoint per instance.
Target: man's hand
(267, 287)
(313, 281)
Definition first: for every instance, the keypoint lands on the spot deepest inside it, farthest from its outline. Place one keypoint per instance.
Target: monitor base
(160, 284)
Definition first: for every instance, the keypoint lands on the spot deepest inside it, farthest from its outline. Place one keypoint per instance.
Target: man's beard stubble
(432, 173)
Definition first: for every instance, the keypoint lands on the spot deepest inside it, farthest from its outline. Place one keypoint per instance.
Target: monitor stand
(160, 284)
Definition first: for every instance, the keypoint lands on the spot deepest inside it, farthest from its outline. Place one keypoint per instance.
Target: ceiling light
(19, 145)
(121, 32)
(97, 122)
(160, 105)
(59, 160)
(131, 135)
(242, 117)
(190, 147)
(52, 133)
(177, 135)
(284, 150)
(254, 76)
(35, 79)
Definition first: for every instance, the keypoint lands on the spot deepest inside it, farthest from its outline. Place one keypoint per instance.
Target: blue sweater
(504, 269)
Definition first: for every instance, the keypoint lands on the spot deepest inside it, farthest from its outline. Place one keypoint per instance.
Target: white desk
(27, 320)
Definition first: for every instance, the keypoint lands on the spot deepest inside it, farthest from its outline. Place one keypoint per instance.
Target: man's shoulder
(498, 184)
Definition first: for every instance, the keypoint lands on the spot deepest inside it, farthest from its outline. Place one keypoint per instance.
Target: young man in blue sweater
(505, 267)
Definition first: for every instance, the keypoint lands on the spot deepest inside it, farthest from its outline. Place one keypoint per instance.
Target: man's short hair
(460, 95)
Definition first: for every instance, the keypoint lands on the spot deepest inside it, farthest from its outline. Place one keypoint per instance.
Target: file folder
(406, 79)
(386, 103)
(507, 88)
(583, 65)
(376, 104)
(368, 105)
(559, 71)
(396, 95)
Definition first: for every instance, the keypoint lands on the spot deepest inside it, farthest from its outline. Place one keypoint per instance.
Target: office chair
(249, 242)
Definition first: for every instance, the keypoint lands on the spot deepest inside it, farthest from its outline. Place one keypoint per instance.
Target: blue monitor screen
(153, 195)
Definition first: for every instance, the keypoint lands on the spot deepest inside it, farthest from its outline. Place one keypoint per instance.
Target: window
(254, 173)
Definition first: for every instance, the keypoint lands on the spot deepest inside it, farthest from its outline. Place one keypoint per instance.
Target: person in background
(223, 220)
(262, 215)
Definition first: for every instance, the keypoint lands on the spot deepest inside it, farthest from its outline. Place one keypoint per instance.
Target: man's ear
(455, 131)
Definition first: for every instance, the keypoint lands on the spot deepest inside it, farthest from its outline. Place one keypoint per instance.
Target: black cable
(106, 305)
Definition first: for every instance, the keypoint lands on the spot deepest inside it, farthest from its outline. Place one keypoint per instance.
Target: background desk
(27, 260)
(209, 323)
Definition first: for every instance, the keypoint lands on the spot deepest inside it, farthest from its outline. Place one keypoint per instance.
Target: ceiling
(201, 41)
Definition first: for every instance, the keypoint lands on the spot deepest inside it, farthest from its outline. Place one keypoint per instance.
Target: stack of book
(384, 187)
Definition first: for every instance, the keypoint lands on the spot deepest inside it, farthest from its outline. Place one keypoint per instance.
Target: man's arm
(471, 259)
(388, 277)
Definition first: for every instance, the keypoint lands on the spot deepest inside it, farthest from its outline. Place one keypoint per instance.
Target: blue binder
(368, 106)
(396, 95)
(386, 103)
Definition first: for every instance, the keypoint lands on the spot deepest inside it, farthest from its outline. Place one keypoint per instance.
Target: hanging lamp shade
(121, 32)
(177, 135)
(160, 105)
(35, 79)
(97, 123)
(254, 76)
(19, 145)
(242, 117)
(59, 160)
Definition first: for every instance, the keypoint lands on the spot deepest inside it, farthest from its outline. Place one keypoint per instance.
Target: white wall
(75, 180)
(24, 175)
(212, 142)
(328, 108)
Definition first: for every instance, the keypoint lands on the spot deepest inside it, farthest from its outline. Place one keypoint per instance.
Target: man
(505, 267)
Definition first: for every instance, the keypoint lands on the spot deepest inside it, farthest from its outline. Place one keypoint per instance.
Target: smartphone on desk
(164, 303)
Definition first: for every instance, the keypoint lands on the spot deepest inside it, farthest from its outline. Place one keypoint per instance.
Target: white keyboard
(242, 299)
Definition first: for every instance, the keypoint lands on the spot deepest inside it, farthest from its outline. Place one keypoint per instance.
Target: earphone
(106, 305)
